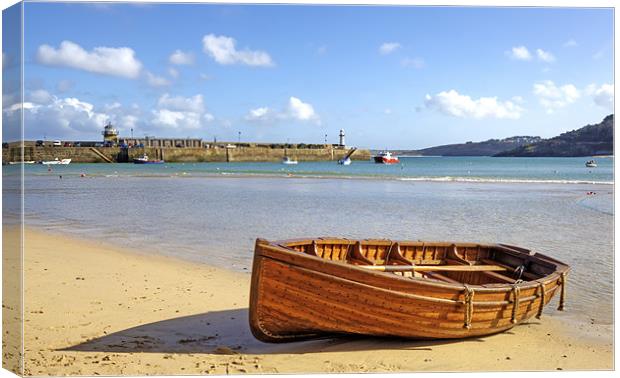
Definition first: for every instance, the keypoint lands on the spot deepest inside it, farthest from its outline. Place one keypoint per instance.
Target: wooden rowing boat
(308, 288)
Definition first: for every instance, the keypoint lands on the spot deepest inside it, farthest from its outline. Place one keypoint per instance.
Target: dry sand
(92, 309)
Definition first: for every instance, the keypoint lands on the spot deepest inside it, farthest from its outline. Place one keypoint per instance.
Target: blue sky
(396, 77)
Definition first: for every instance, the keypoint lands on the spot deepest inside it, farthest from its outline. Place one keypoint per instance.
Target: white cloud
(602, 95)
(553, 97)
(173, 72)
(413, 62)
(300, 110)
(180, 113)
(72, 118)
(222, 49)
(454, 104)
(156, 81)
(259, 114)
(388, 47)
(296, 109)
(204, 76)
(570, 43)
(545, 56)
(189, 104)
(39, 96)
(57, 118)
(519, 53)
(112, 106)
(119, 61)
(179, 57)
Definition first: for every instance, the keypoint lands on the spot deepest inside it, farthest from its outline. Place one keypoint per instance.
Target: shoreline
(92, 308)
(335, 176)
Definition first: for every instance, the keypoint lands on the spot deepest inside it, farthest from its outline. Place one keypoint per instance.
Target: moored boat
(345, 161)
(288, 160)
(309, 288)
(56, 161)
(144, 159)
(591, 164)
(385, 157)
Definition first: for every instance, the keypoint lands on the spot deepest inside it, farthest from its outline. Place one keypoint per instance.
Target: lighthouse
(110, 133)
(341, 135)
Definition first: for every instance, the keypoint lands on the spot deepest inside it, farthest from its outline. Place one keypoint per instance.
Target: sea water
(460, 169)
(213, 212)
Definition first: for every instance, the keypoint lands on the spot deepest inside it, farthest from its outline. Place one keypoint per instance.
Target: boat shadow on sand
(228, 332)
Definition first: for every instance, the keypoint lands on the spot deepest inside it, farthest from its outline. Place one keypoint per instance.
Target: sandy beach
(94, 309)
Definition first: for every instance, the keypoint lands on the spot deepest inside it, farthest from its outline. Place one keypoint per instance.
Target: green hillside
(597, 139)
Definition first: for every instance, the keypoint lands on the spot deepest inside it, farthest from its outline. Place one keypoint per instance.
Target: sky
(395, 77)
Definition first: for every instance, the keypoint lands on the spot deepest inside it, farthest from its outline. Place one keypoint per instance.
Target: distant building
(341, 140)
(163, 142)
(110, 134)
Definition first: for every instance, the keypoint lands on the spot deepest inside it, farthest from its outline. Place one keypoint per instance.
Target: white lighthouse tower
(341, 135)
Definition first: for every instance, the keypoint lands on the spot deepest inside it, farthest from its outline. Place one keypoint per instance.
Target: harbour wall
(177, 154)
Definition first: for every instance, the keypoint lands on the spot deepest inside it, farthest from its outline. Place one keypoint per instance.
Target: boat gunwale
(560, 268)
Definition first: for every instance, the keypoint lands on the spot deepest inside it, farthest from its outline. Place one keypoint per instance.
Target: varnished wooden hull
(297, 295)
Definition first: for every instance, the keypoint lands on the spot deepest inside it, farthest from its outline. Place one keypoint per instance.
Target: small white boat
(288, 160)
(19, 162)
(144, 159)
(345, 161)
(56, 161)
(591, 164)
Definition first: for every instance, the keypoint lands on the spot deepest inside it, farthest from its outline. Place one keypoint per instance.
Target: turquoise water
(463, 169)
(213, 212)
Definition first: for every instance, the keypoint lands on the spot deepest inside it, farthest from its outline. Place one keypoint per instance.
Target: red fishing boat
(385, 157)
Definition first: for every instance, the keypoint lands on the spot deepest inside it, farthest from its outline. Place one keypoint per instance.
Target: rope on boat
(515, 302)
(563, 292)
(469, 305)
(541, 288)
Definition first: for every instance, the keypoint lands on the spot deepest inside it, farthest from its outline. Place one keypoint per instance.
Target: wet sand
(94, 309)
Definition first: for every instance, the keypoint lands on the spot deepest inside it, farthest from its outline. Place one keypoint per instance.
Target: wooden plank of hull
(333, 305)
